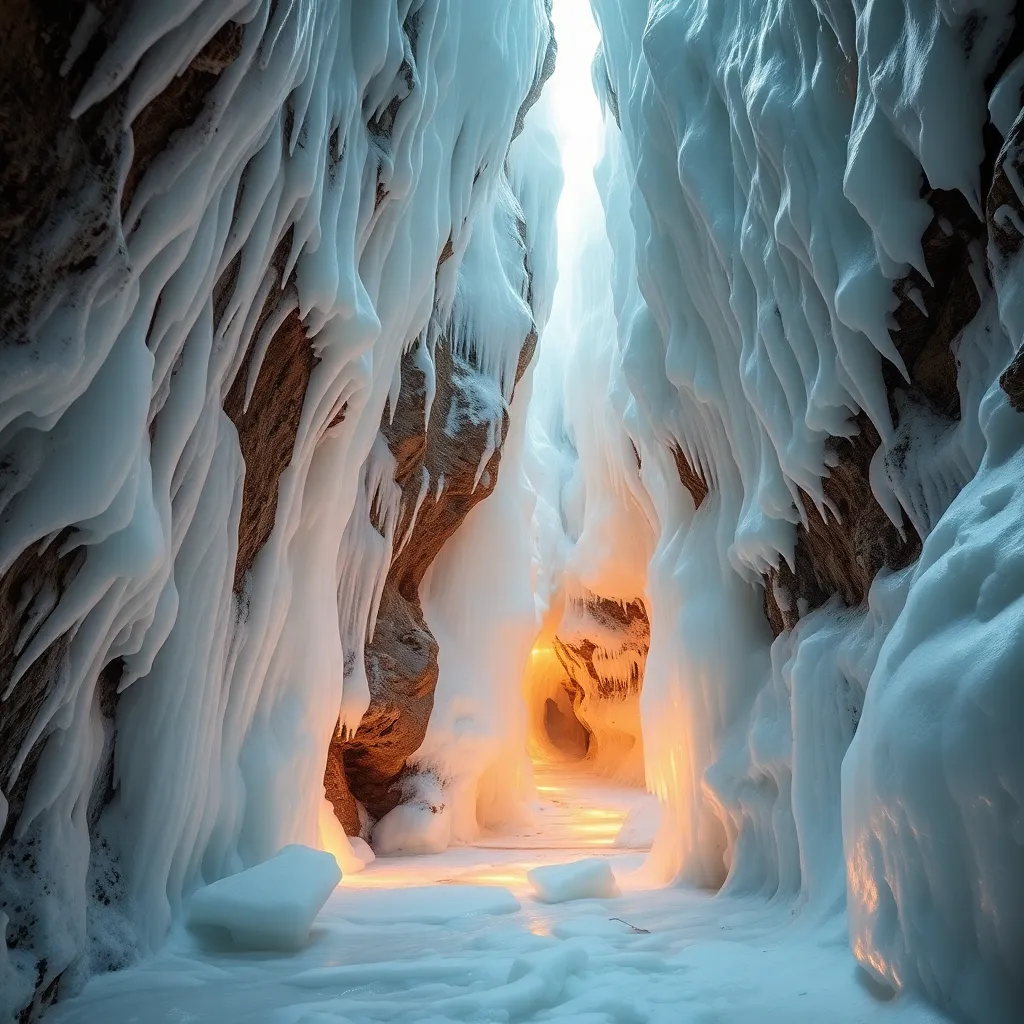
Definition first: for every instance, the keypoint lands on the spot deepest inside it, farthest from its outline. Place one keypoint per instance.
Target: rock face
(445, 432)
(851, 463)
(445, 466)
(47, 158)
(43, 156)
(602, 645)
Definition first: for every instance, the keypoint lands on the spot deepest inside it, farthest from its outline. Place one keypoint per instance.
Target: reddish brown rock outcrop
(50, 162)
(401, 659)
(602, 645)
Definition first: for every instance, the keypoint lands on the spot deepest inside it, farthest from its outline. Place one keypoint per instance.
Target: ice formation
(577, 880)
(755, 536)
(798, 197)
(344, 180)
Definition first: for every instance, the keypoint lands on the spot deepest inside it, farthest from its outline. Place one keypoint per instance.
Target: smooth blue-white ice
(271, 906)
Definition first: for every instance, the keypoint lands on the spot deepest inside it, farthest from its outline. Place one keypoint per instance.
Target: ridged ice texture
(478, 595)
(762, 195)
(226, 709)
(933, 784)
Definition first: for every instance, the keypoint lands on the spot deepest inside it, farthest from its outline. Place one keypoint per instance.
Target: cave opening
(583, 688)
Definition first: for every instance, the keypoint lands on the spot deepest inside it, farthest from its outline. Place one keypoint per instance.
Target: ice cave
(509, 511)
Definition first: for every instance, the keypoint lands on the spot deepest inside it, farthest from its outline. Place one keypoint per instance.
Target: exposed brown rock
(401, 659)
(337, 791)
(48, 161)
(53, 167)
(842, 557)
(595, 642)
(267, 429)
(689, 477)
(41, 149)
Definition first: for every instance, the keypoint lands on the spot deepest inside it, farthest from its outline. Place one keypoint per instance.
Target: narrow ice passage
(556, 465)
(460, 936)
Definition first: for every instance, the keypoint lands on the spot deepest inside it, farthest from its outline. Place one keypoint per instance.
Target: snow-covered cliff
(230, 228)
(813, 207)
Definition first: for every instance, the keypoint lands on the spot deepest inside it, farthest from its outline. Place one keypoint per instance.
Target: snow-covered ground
(460, 936)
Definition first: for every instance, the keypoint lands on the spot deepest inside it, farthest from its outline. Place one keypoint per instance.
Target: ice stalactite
(199, 346)
(815, 287)
(456, 621)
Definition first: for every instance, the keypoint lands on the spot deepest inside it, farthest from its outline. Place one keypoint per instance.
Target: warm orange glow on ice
(575, 815)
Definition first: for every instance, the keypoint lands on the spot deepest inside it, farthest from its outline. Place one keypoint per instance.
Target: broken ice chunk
(271, 906)
(578, 880)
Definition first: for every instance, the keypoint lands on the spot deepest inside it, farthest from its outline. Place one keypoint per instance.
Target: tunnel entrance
(564, 731)
(583, 687)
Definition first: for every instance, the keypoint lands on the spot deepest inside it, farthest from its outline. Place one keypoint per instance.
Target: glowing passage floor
(459, 937)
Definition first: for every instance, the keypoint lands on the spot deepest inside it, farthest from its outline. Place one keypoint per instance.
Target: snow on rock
(454, 428)
(255, 211)
(271, 906)
(813, 241)
(578, 880)
(422, 823)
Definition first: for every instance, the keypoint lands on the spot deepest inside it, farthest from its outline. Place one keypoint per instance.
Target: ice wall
(321, 171)
(814, 236)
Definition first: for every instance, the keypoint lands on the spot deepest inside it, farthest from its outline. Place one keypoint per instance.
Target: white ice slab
(578, 880)
(271, 906)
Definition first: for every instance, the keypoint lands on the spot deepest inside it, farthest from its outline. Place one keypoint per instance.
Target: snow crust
(111, 410)
(269, 906)
(425, 904)
(663, 956)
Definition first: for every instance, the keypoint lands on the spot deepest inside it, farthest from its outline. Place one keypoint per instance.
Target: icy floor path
(459, 937)
(577, 811)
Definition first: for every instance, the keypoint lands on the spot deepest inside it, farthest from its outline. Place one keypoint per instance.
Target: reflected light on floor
(576, 815)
